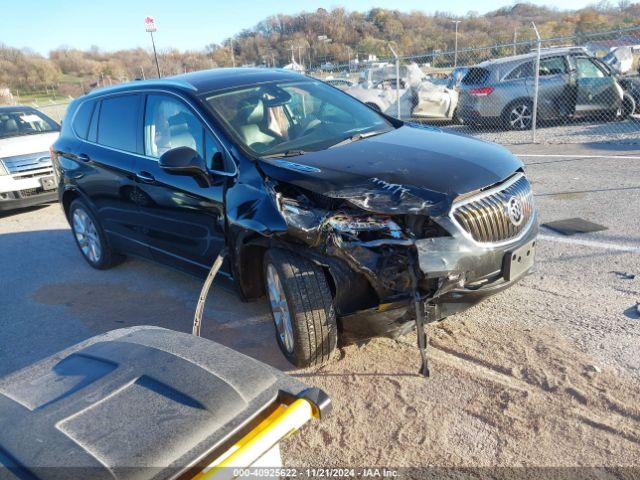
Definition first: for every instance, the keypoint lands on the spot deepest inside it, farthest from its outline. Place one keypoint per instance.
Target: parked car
(419, 97)
(571, 84)
(342, 215)
(26, 174)
(341, 83)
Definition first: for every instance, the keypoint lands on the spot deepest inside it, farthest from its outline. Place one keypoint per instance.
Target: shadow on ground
(52, 299)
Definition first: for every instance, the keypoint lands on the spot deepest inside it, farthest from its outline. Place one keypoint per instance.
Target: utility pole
(515, 40)
(536, 82)
(455, 53)
(150, 26)
(233, 57)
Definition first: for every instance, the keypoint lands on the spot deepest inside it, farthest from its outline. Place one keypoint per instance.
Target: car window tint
(82, 118)
(552, 66)
(475, 76)
(118, 125)
(92, 136)
(587, 69)
(213, 153)
(522, 71)
(168, 124)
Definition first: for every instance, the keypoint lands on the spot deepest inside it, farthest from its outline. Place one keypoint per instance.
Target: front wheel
(302, 308)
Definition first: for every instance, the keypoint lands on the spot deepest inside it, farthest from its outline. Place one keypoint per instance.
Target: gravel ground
(544, 374)
(576, 132)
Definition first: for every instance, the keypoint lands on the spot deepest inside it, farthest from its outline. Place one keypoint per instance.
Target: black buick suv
(341, 215)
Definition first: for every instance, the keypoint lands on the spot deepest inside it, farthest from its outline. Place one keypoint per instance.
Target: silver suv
(571, 84)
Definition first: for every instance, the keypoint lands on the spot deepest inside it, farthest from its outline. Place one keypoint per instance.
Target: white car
(419, 97)
(26, 173)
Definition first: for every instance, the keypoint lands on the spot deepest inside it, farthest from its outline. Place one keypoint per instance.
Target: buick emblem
(514, 211)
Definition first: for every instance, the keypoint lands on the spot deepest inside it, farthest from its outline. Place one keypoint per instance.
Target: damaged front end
(388, 247)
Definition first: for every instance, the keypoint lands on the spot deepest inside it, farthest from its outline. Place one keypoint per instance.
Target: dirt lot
(544, 374)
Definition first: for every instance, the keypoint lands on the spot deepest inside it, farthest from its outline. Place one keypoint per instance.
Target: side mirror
(186, 161)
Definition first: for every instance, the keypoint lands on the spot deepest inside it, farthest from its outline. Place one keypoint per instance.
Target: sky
(44, 25)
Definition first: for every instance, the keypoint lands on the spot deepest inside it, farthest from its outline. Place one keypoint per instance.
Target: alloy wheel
(87, 235)
(280, 309)
(520, 117)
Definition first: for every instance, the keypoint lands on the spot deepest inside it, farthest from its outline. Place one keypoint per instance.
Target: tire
(628, 107)
(374, 106)
(303, 296)
(518, 115)
(90, 237)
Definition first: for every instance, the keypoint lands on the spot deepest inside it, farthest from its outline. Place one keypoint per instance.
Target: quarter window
(82, 119)
(118, 125)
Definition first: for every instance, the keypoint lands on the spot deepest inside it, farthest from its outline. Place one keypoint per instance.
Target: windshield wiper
(358, 136)
(288, 153)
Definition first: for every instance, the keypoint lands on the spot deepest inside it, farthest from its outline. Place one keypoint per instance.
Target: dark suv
(342, 215)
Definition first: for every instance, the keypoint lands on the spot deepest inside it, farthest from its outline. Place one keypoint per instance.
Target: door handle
(83, 157)
(145, 177)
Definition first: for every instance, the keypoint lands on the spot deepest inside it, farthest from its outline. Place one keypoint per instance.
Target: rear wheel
(518, 115)
(90, 237)
(302, 308)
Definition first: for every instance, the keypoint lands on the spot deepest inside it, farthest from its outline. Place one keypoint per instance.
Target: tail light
(51, 152)
(481, 92)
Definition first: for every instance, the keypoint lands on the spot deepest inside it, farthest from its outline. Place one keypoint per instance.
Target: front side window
(168, 124)
(301, 115)
(21, 121)
(587, 68)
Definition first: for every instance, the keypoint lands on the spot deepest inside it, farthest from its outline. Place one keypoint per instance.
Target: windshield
(14, 123)
(303, 116)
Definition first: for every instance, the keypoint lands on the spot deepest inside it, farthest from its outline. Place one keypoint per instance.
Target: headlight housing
(354, 225)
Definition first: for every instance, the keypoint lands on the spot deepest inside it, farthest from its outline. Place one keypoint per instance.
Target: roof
(205, 81)
(545, 52)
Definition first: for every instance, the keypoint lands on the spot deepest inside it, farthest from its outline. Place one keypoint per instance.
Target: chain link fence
(55, 110)
(577, 89)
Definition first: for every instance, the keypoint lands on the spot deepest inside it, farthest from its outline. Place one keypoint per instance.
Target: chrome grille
(25, 163)
(485, 217)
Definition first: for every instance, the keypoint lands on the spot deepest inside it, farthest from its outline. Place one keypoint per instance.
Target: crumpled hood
(408, 170)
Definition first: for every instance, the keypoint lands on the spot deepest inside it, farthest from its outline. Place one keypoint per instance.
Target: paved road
(582, 298)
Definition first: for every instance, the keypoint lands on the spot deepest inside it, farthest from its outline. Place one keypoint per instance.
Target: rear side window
(82, 119)
(521, 71)
(118, 125)
(476, 76)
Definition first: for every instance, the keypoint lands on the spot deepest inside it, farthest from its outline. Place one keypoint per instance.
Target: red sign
(149, 24)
